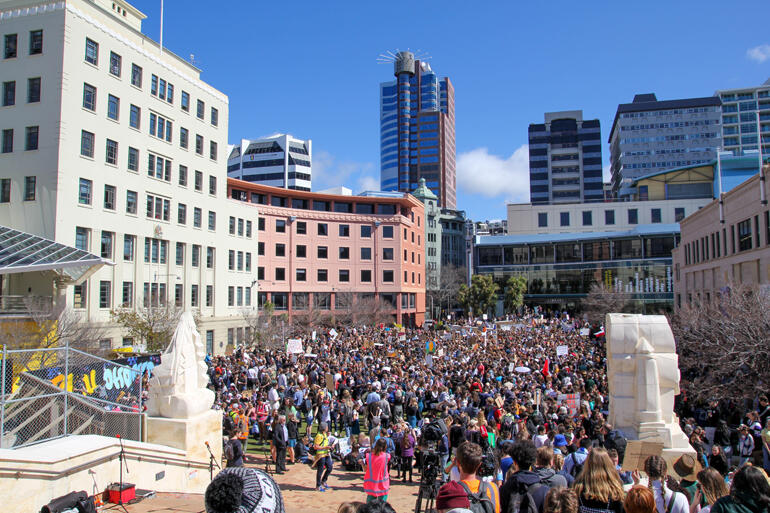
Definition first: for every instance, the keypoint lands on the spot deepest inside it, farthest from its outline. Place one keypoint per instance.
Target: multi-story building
(115, 145)
(718, 250)
(648, 135)
(453, 237)
(280, 160)
(746, 113)
(565, 159)
(417, 130)
(433, 239)
(318, 250)
(493, 227)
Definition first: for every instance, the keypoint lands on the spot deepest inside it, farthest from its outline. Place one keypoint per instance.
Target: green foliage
(480, 296)
(513, 293)
(155, 326)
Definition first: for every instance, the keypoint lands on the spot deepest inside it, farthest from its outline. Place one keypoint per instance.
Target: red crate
(121, 495)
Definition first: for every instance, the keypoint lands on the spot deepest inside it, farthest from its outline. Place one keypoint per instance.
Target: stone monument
(643, 377)
(179, 410)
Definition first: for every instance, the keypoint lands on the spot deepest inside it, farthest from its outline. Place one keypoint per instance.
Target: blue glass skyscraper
(417, 130)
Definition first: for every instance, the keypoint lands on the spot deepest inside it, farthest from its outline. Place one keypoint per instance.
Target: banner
(584, 332)
(294, 346)
(562, 350)
(333, 333)
(571, 401)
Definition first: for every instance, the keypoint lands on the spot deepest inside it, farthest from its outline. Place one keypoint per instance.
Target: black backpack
(480, 502)
(619, 443)
(521, 500)
(576, 467)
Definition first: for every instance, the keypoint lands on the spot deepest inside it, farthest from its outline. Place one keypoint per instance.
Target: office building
(718, 250)
(417, 130)
(648, 135)
(280, 161)
(745, 113)
(565, 159)
(114, 145)
(320, 251)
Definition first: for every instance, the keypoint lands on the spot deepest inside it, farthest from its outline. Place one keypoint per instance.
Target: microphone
(117, 436)
(207, 444)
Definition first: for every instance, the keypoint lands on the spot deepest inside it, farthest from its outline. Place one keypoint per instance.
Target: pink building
(320, 250)
(713, 254)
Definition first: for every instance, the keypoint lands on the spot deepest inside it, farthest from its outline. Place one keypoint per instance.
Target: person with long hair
(639, 500)
(598, 486)
(718, 460)
(376, 475)
(710, 488)
(750, 493)
(560, 500)
(666, 500)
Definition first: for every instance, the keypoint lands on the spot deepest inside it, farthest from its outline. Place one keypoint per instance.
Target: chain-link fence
(53, 392)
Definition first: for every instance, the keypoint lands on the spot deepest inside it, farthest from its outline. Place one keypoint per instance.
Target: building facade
(320, 251)
(565, 159)
(746, 116)
(648, 135)
(280, 160)
(115, 146)
(433, 235)
(417, 130)
(719, 250)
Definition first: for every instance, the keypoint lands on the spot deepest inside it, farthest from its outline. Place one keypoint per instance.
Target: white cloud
(368, 183)
(329, 172)
(759, 53)
(479, 172)
(607, 173)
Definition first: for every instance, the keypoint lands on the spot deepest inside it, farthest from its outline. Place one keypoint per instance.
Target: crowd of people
(514, 413)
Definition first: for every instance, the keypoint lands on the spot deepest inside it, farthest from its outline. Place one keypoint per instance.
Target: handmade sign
(637, 453)
(294, 346)
(571, 401)
(562, 350)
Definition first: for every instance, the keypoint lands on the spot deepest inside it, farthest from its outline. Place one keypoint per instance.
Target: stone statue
(643, 377)
(178, 385)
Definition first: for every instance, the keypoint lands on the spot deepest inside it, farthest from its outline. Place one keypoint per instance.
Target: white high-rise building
(280, 160)
(114, 145)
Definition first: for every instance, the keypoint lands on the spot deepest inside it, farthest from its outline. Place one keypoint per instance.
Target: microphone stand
(212, 462)
(123, 461)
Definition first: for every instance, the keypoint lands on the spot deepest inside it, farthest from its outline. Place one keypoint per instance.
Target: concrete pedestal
(189, 435)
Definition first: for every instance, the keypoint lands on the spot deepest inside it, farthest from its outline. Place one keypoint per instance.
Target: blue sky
(309, 69)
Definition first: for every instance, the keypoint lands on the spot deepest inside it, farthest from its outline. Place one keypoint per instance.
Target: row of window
(322, 275)
(714, 245)
(31, 139)
(323, 300)
(656, 216)
(11, 44)
(322, 252)
(9, 91)
(155, 295)
(159, 87)
(236, 261)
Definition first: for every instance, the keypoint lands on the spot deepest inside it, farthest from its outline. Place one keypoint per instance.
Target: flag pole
(762, 198)
(161, 27)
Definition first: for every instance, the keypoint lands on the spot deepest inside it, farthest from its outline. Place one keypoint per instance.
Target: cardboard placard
(294, 346)
(584, 332)
(562, 350)
(571, 401)
(637, 453)
(499, 401)
(333, 333)
(329, 382)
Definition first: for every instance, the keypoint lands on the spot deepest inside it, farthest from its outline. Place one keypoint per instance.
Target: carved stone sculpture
(643, 377)
(178, 385)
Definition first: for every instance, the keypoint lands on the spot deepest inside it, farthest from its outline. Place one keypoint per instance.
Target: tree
(513, 293)
(263, 329)
(153, 325)
(723, 344)
(600, 301)
(480, 296)
(444, 285)
(357, 310)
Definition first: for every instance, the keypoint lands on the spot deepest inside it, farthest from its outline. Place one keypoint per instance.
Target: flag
(545, 368)
(599, 333)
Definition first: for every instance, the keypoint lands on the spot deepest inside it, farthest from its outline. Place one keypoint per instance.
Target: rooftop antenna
(192, 60)
(389, 57)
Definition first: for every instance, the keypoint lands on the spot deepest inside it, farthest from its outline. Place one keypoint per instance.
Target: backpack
(480, 502)
(229, 452)
(617, 442)
(576, 467)
(521, 500)
(507, 423)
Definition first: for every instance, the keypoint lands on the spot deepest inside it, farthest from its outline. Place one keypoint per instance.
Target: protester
(639, 500)
(233, 451)
(239, 489)
(281, 443)
(469, 457)
(323, 457)
(711, 487)
(376, 476)
(718, 460)
(750, 493)
(560, 500)
(544, 469)
(687, 468)
(598, 486)
(745, 445)
(666, 500)
(452, 498)
(522, 481)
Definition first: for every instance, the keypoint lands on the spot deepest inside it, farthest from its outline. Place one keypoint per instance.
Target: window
(84, 191)
(197, 214)
(212, 150)
(111, 153)
(29, 188)
(179, 253)
(322, 275)
(194, 295)
(199, 144)
(655, 215)
(387, 232)
(115, 64)
(212, 185)
(280, 226)
(135, 117)
(136, 75)
(87, 144)
(127, 298)
(184, 137)
(131, 202)
(33, 90)
(609, 217)
(110, 202)
(182, 175)
(542, 219)
(79, 296)
(366, 276)
(35, 42)
(89, 97)
(344, 253)
(366, 253)
(198, 181)
(564, 218)
(366, 231)
(280, 250)
(185, 101)
(209, 296)
(261, 248)
(212, 220)
(587, 218)
(9, 93)
(301, 274)
(11, 41)
(323, 252)
(195, 260)
(161, 127)
(178, 294)
(323, 229)
(387, 254)
(633, 216)
(261, 224)
(129, 243)
(92, 52)
(387, 276)
(32, 137)
(301, 251)
(5, 190)
(158, 208)
(8, 140)
(201, 107)
(344, 275)
(214, 116)
(231, 226)
(280, 274)
(105, 294)
(344, 230)
(210, 252)
(260, 273)
(744, 235)
(248, 229)
(106, 246)
(678, 214)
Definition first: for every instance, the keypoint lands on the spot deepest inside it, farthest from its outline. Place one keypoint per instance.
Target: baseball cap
(452, 495)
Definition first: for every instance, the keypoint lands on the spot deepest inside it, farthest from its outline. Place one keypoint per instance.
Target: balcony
(25, 306)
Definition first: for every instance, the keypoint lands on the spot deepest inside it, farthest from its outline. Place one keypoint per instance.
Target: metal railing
(49, 393)
(25, 305)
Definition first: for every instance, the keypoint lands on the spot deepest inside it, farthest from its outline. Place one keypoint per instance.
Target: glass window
(387, 232)
(7, 140)
(89, 97)
(301, 274)
(131, 202)
(633, 216)
(366, 231)
(678, 214)
(115, 63)
(387, 276)
(29, 188)
(33, 90)
(387, 254)
(655, 215)
(366, 253)
(11, 48)
(344, 230)
(323, 275)
(9, 93)
(84, 193)
(32, 138)
(201, 107)
(744, 235)
(609, 217)
(35, 42)
(105, 294)
(366, 276)
(344, 275)
(136, 75)
(81, 238)
(214, 116)
(323, 252)
(280, 274)
(542, 219)
(301, 251)
(129, 243)
(92, 52)
(111, 156)
(185, 101)
(587, 218)
(280, 225)
(301, 227)
(212, 220)
(344, 253)
(198, 181)
(280, 250)
(323, 229)
(87, 144)
(113, 107)
(109, 197)
(564, 219)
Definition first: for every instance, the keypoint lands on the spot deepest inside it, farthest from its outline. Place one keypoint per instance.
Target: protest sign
(499, 401)
(313, 336)
(562, 350)
(429, 361)
(333, 333)
(637, 453)
(294, 346)
(329, 382)
(441, 352)
(584, 332)
(571, 401)
(344, 446)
